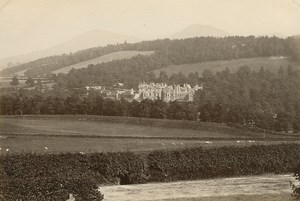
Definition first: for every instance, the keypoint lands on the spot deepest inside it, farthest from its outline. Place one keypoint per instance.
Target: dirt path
(253, 185)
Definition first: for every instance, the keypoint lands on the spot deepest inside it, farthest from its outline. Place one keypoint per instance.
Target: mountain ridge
(198, 30)
(82, 41)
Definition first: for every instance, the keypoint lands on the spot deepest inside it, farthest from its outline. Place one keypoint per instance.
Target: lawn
(98, 128)
(270, 63)
(106, 58)
(81, 125)
(102, 134)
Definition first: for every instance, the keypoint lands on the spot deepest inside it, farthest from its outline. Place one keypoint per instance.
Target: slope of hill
(83, 41)
(191, 50)
(197, 30)
(92, 39)
(270, 63)
(102, 59)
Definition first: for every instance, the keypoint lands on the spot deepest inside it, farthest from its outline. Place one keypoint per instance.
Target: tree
(151, 77)
(174, 79)
(30, 82)
(207, 74)
(296, 187)
(163, 77)
(14, 82)
(72, 104)
(134, 109)
(176, 110)
(193, 78)
(39, 85)
(145, 108)
(181, 78)
(159, 109)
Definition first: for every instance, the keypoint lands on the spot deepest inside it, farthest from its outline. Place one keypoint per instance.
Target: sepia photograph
(149, 100)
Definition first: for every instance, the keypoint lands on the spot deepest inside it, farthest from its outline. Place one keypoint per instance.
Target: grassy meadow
(105, 134)
(270, 63)
(81, 125)
(102, 59)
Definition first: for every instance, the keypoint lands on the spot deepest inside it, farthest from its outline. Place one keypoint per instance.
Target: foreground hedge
(197, 163)
(106, 168)
(36, 177)
(53, 188)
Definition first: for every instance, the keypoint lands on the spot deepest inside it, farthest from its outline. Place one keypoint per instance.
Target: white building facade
(154, 91)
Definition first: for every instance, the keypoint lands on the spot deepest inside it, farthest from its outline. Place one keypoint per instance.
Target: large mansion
(166, 92)
(152, 91)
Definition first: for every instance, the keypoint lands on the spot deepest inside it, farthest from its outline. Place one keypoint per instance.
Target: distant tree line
(34, 102)
(132, 71)
(182, 51)
(129, 71)
(266, 99)
(262, 99)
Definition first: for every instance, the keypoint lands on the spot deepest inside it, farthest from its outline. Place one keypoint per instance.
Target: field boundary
(166, 123)
(8, 134)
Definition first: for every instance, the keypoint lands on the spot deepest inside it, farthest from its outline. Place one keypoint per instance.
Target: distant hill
(92, 39)
(270, 63)
(106, 58)
(187, 51)
(197, 30)
(83, 41)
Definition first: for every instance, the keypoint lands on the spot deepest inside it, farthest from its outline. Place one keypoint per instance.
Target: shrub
(296, 186)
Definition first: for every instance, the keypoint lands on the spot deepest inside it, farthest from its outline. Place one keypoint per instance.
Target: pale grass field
(216, 66)
(251, 188)
(103, 59)
(263, 197)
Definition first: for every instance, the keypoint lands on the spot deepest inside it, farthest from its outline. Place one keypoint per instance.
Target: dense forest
(167, 51)
(268, 100)
(133, 71)
(255, 99)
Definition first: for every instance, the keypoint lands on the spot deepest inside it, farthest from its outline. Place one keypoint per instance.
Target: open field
(252, 188)
(263, 197)
(5, 82)
(103, 134)
(272, 64)
(99, 126)
(114, 126)
(37, 144)
(102, 59)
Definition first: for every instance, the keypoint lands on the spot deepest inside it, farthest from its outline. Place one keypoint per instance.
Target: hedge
(38, 177)
(198, 163)
(54, 188)
(54, 176)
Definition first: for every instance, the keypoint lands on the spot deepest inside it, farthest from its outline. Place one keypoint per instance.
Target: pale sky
(28, 25)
